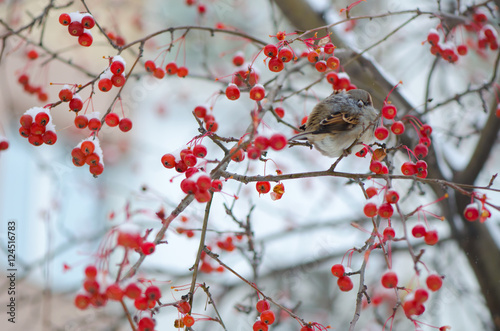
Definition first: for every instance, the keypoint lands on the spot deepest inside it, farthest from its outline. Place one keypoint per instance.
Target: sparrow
(339, 120)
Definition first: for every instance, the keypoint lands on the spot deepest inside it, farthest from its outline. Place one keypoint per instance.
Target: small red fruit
(263, 187)
(471, 212)
(257, 92)
(345, 283)
(112, 119)
(398, 128)
(418, 231)
(150, 66)
(370, 209)
(262, 305)
(105, 84)
(385, 210)
(125, 124)
(268, 317)
(381, 133)
(271, 50)
(278, 141)
(431, 237)
(338, 270)
(434, 282)
(232, 92)
(64, 19)
(389, 279)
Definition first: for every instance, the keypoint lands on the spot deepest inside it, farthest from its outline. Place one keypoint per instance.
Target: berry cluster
(202, 113)
(79, 25)
(344, 282)
(32, 89)
(171, 69)
(206, 266)
(264, 187)
(113, 75)
(420, 151)
(384, 208)
(37, 126)
(266, 317)
(477, 210)
(414, 302)
(91, 120)
(485, 34)
(431, 237)
(197, 182)
(187, 320)
(340, 81)
(88, 151)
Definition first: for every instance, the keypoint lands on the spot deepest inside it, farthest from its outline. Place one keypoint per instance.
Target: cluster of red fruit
(385, 209)
(261, 143)
(420, 151)
(205, 265)
(196, 182)
(37, 126)
(79, 25)
(245, 74)
(4, 143)
(477, 211)
(113, 75)
(431, 237)
(266, 317)
(89, 152)
(171, 69)
(187, 320)
(31, 89)
(129, 237)
(414, 302)
(485, 33)
(264, 187)
(202, 9)
(344, 282)
(209, 119)
(97, 298)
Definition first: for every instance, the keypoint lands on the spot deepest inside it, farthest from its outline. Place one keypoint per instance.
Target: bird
(339, 120)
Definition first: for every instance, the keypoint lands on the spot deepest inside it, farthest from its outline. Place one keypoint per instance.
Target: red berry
(184, 307)
(421, 151)
(182, 72)
(371, 191)
(146, 324)
(204, 182)
(268, 317)
(238, 59)
(88, 21)
(216, 185)
(76, 104)
(23, 79)
(332, 78)
(276, 64)
(159, 73)
(338, 270)
(64, 19)
(426, 130)
(271, 50)
(91, 271)
(200, 151)
(392, 196)
(118, 80)
(188, 319)
(37, 129)
(421, 295)
(262, 305)
(333, 63)
(320, 66)
(389, 233)
(32, 54)
(112, 119)
(434, 282)
(125, 124)
(418, 231)
(105, 84)
(35, 140)
(91, 286)
(312, 56)
(253, 153)
(285, 55)
(117, 67)
(49, 137)
(279, 111)
(385, 210)
(85, 39)
(433, 37)
(257, 92)
(260, 326)
(471, 212)
(141, 303)
(87, 147)
(114, 292)
(409, 168)
(376, 166)
(168, 161)
(171, 68)
(329, 48)
(150, 66)
(431, 237)
(261, 142)
(200, 111)
(278, 141)
(381, 133)
(462, 50)
(398, 128)
(132, 291)
(370, 209)
(4, 145)
(82, 301)
(211, 126)
(232, 92)
(153, 293)
(148, 248)
(65, 95)
(42, 118)
(26, 121)
(94, 124)
(263, 187)
(345, 283)
(75, 29)
(389, 279)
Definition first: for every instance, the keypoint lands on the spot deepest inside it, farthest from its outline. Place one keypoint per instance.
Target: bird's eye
(360, 103)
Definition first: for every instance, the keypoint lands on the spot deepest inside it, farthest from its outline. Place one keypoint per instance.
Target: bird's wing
(338, 122)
